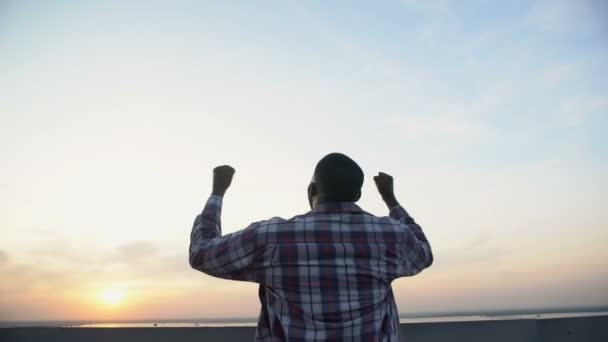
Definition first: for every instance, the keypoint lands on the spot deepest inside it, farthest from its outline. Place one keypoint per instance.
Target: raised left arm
(235, 256)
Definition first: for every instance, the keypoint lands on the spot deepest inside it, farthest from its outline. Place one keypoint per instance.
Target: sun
(112, 296)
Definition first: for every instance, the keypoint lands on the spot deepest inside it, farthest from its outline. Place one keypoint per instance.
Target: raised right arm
(416, 249)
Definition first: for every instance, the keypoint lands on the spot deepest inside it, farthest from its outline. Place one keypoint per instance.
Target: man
(325, 275)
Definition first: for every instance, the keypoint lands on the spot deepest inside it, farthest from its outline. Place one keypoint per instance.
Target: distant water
(252, 323)
(476, 318)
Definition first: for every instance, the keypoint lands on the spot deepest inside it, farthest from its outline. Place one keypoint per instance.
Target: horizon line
(428, 314)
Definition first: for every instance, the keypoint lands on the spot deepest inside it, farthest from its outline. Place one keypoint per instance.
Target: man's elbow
(428, 258)
(424, 257)
(425, 261)
(195, 261)
(191, 262)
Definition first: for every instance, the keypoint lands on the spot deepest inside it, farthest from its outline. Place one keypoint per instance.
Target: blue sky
(490, 115)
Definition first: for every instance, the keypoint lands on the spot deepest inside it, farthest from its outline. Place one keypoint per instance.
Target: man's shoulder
(273, 222)
(277, 222)
(356, 218)
(312, 217)
(326, 228)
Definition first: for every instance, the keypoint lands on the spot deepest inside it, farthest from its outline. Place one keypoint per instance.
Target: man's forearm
(400, 214)
(391, 201)
(206, 226)
(208, 223)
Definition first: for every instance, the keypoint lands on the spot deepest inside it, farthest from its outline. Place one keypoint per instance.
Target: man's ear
(358, 196)
(312, 192)
(312, 189)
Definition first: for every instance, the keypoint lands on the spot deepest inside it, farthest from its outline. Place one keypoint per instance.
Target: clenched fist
(222, 177)
(384, 183)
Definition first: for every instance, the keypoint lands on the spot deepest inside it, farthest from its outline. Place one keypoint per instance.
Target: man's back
(325, 275)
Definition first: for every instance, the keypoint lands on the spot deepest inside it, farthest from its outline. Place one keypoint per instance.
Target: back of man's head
(338, 178)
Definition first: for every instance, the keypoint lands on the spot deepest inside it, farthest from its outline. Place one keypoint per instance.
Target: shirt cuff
(215, 199)
(395, 207)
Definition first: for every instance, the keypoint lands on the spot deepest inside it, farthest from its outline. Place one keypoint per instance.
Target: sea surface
(251, 322)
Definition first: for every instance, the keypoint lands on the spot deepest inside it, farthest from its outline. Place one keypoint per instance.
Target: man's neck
(322, 201)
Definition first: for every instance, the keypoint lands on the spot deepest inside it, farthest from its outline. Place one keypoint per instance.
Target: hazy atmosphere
(491, 116)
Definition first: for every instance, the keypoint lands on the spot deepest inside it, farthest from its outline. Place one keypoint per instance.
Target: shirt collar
(337, 207)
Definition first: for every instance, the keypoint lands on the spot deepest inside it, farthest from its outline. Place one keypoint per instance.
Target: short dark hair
(338, 178)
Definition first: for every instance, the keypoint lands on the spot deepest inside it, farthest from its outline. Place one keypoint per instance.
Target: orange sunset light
(112, 297)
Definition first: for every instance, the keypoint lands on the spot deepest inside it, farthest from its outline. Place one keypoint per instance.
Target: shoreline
(581, 329)
(251, 322)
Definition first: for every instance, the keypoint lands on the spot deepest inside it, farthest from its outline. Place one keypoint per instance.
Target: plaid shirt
(324, 276)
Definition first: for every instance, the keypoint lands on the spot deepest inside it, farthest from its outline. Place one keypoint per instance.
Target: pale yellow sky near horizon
(113, 116)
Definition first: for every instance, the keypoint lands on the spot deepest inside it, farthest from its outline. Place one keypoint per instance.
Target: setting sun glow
(112, 296)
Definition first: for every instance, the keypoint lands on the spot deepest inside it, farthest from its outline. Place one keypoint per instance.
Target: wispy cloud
(61, 266)
(576, 110)
(550, 15)
(3, 257)
(561, 15)
(73, 277)
(432, 127)
(134, 251)
(563, 72)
